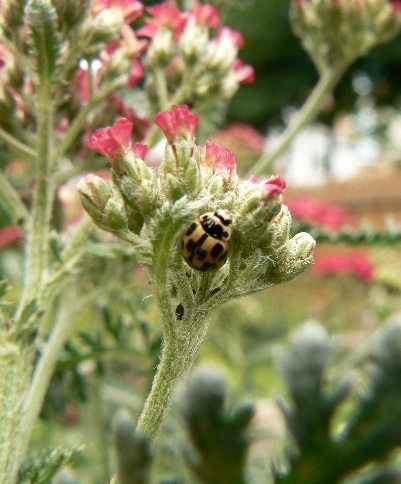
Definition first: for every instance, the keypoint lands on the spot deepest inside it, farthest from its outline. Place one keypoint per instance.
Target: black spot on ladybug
(190, 246)
(200, 253)
(216, 251)
(206, 266)
(212, 228)
(224, 221)
(191, 229)
(179, 311)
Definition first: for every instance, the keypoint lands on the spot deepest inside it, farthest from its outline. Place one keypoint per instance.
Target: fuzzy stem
(178, 356)
(38, 229)
(11, 202)
(17, 146)
(161, 87)
(79, 122)
(305, 115)
(44, 370)
(15, 365)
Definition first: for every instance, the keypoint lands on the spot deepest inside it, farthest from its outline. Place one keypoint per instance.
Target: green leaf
(41, 467)
(41, 20)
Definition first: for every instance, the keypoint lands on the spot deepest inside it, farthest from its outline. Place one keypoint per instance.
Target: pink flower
(163, 15)
(206, 15)
(254, 179)
(244, 73)
(318, 212)
(396, 6)
(351, 261)
(136, 73)
(217, 157)
(112, 141)
(140, 150)
(226, 33)
(274, 186)
(132, 9)
(270, 187)
(9, 235)
(177, 123)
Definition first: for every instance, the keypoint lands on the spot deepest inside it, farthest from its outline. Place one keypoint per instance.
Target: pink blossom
(351, 261)
(177, 123)
(274, 186)
(136, 73)
(226, 33)
(244, 73)
(254, 179)
(163, 15)
(112, 141)
(396, 6)
(217, 157)
(318, 212)
(9, 235)
(206, 15)
(132, 9)
(140, 150)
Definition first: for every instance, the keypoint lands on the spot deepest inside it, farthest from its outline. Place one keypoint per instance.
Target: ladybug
(207, 241)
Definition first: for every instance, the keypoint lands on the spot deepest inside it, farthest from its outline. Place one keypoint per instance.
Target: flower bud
(179, 172)
(193, 42)
(105, 207)
(161, 49)
(136, 181)
(103, 28)
(296, 256)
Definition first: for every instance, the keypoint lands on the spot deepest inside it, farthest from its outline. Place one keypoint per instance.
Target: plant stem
(178, 356)
(15, 364)
(161, 87)
(17, 147)
(44, 369)
(305, 115)
(79, 122)
(11, 202)
(38, 230)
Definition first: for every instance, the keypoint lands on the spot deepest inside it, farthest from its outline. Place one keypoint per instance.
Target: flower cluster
(199, 176)
(354, 262)
(198, 56)
(336, 32)
(318, 212)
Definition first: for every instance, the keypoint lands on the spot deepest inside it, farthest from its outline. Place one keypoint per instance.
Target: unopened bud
(104, 27)
(179, 172)
(105, 207)
(136, 182)
(193, 42)
(161, 49)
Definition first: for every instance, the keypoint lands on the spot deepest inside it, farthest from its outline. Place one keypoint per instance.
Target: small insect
(207, 240)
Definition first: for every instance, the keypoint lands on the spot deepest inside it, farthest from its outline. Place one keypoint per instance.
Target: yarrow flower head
(271, 187)
(177, 123)
(205, 15)
(217, 157)
(163, 15)
(132, 9)
(115, 140)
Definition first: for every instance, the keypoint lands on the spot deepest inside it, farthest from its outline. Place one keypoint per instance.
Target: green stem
(161, 88)
(79, 122)
(17, 147)
(179, 354)
(39, 223)
(305, 115)
(15, 373)
(11, 202)
(44, 370)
